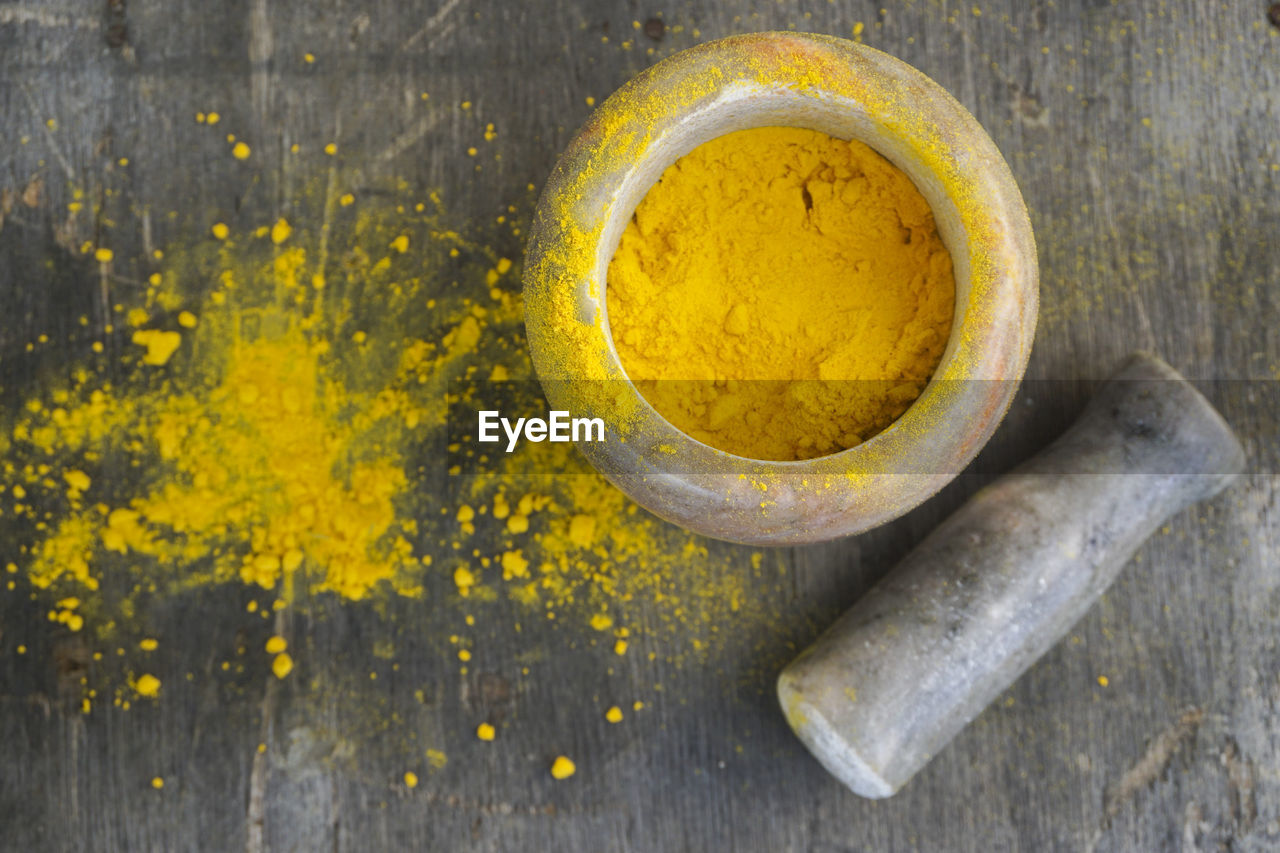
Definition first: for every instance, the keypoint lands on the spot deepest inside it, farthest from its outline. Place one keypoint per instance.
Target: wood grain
(1143, 136)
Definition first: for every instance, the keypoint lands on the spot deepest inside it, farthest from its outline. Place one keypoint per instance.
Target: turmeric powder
(781, 294)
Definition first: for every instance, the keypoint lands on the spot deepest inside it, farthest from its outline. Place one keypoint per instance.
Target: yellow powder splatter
(614, 714)
(103, 256)
(281, 231)
(437, 759)
(240, 151)
(331, 149)
(157, 782)
(485, 731)
(601, 622)
(147, 685)
(275, 645)
(160, 345)
(148, 644)
(187, 320)
(562, 767)
(282, 665)
(220, 230)
(410, 779)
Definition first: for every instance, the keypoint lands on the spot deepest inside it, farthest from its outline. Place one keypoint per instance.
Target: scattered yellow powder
(148, 644)
(276, 645)
(157, 783)
(464, 580)
(346, 199)
(464, 655)
(562, 767)
(723, 336)
(620, 647)
(240, 151)
(601, 622)
(410, 779)
(103, 256)
(220, 230)
(1103, 680)
(331, 149)
(485, 731)
(282, 665)
(614, 714)
(187, 320)
(147, 685)
(281, 231)
(401, 244)
(160, 344)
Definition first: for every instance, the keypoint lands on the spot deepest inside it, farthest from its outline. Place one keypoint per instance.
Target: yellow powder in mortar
(781, 294)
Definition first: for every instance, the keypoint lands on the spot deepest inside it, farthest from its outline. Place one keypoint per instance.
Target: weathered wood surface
(1144, 137)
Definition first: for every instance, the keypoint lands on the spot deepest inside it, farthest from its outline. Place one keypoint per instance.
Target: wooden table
(1144, 137)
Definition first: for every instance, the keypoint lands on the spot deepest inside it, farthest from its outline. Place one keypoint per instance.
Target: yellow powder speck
(401, 243)
(262, 748)
(147, 685)
(148, 644)
(436, 759)
(591, 102)
(601, 622)
(186, 320)
(464, 655)
(276, 645)
(22, 650)
(346, 199)
(484, 731)
(466, 105)
(582, 530)
(281, 231)
(331, 149)
(503, 266)
(858, 28)
(471, 152)
(514, 565)
(465, 513)
(464, 580)
(518, 523)
(157, 783)
(212, 118)
(410, 778)
(220, 230)
(614, 714)
(637, 705)
(103, 255)
(199, 118)
(1103, 680)
(282, 665)
(562, 767)
(160, 345)
(620, 647)
(241, 151)
(499, 374)
(308, 58)
(77, 481)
